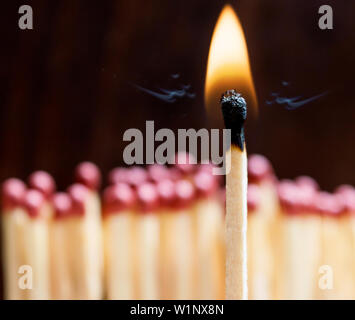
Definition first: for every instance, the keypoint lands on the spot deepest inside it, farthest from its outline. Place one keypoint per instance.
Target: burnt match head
(234, 109)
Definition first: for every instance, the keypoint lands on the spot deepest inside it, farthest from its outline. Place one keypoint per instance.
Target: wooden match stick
(88, 174)
(209, 233)
(234, 111)
(85, 263)
(346, 193)
(119, 201)
(44, 183)
(259, 248)
(167, 240)
(36, 246)
(176, 242)
(298, 254)
(260, 172)
(336, 246)
(147, 242)
(13, 227)
(60, 242)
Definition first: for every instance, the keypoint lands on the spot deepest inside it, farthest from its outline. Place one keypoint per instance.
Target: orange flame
(228, 64)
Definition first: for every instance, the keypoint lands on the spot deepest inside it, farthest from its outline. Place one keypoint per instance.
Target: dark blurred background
(67, 93)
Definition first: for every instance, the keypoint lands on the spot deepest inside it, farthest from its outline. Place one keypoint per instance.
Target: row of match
(301, 240)
(155, 233)
(158, 233)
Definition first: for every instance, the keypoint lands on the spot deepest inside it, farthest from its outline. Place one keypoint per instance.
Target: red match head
(297, 197)
(211, 168)
(344, 188)
(207, 167)
(185, 193)
(328, 204)
(185, 162)
(118, 197)
(13, 191)
(346, 194)
(253, 197)
(62, 204)
(137, 176)
(43, 182)
(307, 183)
(33, 202)
(289, 196)
(78, 194)
(167, 193)
(118, 175)
(89, 175)
(259, 168)
(205, 183)
(158, 172)
(148, 197)
(175, 174)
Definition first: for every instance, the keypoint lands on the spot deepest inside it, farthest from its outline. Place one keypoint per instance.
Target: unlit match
(159, 233)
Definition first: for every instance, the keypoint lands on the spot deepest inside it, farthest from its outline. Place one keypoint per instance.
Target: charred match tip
(33, 202)
(78, 194)
(118, 197)
(62, 204)
(234, 110)
(13, 191)
(89, 175)
(43, 182)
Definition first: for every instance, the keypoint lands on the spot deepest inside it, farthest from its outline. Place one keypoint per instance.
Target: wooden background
(66, 92)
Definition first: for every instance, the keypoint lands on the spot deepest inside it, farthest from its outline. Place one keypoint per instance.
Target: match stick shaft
(13, 224)
(209, 222)
(61, 283)
(177, 256)
(236, 224)
(336, 245)
(147, 233)
(259, 257)
(37, 256)
(119, 264)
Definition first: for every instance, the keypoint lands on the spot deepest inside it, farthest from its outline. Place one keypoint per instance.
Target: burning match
(228, 67)
(234, 111)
